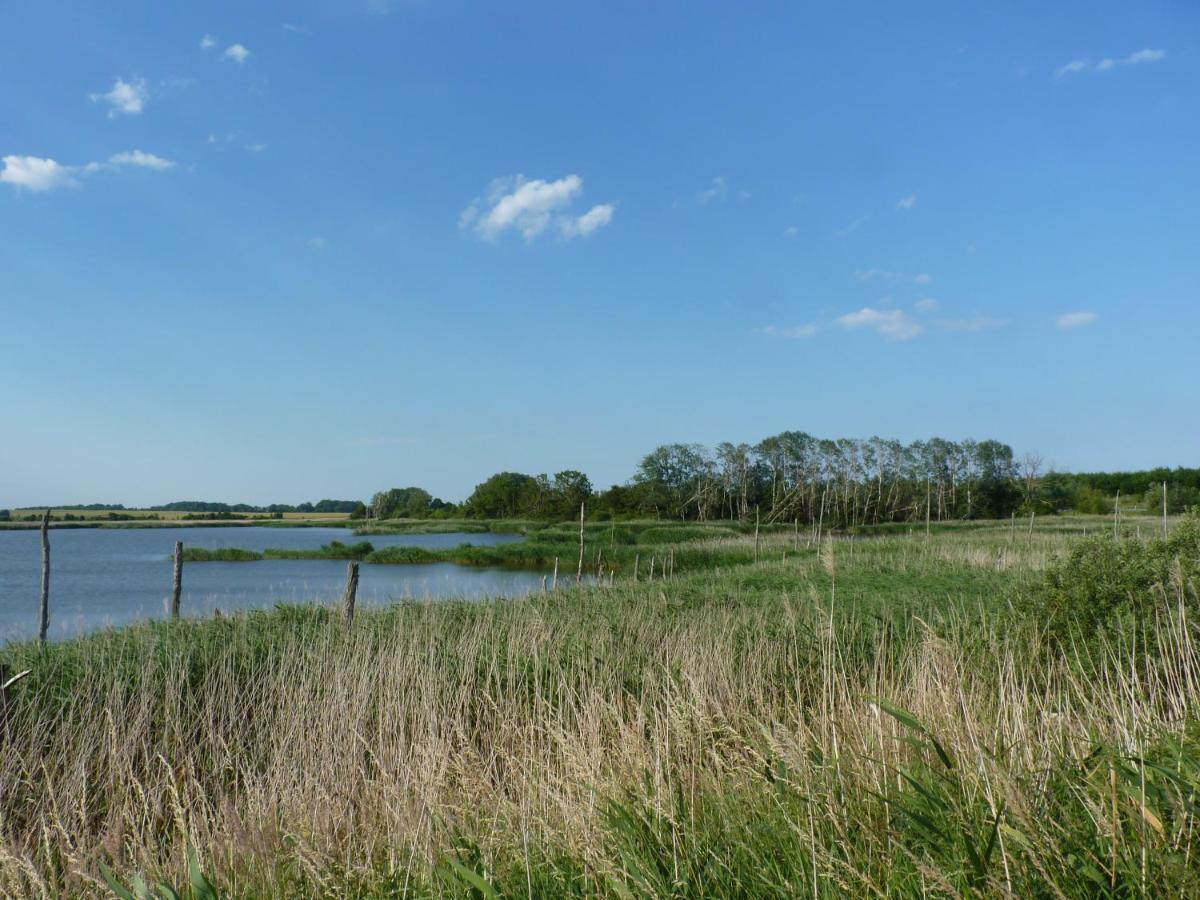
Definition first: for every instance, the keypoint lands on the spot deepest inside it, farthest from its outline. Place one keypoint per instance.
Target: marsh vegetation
(868, 717)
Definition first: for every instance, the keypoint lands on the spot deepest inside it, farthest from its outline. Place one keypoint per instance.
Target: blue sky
(276, 252)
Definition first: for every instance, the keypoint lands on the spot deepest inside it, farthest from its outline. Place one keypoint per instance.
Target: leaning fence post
(44, 612)
(177, 582)
(351, 590)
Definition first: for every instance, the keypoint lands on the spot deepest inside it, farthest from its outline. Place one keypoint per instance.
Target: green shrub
(1105, 582)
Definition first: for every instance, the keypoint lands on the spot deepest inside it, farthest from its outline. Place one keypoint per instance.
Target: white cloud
(791, 232)
(922, 278)
(140, 159)
(893, 325)
(1072, 68)
(295, 29)
(1148, 55)
(790, 332)
(532, 207)
(125, 98)
(852, 227)
(596, 217)
(208, 42)
(1145, 56)
(1075, 319)
(906, 203)
(237, 52)
(35, 174)
(975, 323)
(926, 304)
(718, 191)
(256, 148)
(317, 242)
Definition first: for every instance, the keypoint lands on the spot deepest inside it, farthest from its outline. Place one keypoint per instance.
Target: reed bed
(863, 718)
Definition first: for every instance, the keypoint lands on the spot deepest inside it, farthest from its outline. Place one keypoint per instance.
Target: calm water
(104, 576)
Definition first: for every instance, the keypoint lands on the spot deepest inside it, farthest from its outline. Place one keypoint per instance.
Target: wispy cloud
(789, 332)
(237, 52)
(922, 278)
(256, 148)
(904, 204)
(39, 174)
(584, 226)
(852, 227)
(295, 29)
(719, 190)
(1075, 319)
(791, 232)
(125, 98)
(317, 242)
(878, 275)
(531, 207)
(208, 42)
(139, 159)
(893, 324)
(926, 304)
(1078, 66)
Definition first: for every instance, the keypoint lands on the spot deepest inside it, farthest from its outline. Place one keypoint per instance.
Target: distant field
(68, 514)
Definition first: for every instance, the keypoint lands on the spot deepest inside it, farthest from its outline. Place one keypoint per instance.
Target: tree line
(796, 477)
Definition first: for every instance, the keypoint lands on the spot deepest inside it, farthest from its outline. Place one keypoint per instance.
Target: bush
(1094, 502)
(1105, 583)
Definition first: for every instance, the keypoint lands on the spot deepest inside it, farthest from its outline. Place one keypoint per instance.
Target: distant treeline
(322, 506)
(796, 477)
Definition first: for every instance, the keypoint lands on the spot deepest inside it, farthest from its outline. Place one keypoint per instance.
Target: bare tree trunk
(351, 590)
(177, 581)
(44, 611)
(756, 534)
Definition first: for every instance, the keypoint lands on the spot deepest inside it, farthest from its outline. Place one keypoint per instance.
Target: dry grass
(716, 732)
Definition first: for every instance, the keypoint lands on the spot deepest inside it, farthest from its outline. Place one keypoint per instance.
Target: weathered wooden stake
(637, 562)
(351, 590)
(756, 534)
(177, 582)
(543, 584)
(650, 577)
(579, 571)
(1164, 510)
(554, 583)
(44, 612)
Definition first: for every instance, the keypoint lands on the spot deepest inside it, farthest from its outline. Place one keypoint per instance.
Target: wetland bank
(779, 716)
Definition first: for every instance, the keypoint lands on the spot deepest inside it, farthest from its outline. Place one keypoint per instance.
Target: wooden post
(1164, 510)
(351, 590)
(755, 534)
(554, 583)
(44, 611)
(637, 562)
(177, 583)
(543, 584)
(579, 571)
(651, 576)
(796, 538)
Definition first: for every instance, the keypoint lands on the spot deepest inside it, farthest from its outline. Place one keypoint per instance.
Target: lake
(109, 576)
